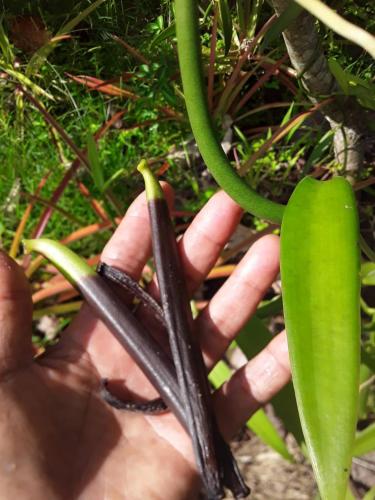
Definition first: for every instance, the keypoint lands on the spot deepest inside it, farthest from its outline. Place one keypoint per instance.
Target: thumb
(15, 316)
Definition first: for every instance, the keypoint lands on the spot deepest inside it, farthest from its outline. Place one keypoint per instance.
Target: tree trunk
(344, 115)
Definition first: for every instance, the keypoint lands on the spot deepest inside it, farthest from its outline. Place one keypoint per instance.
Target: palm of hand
(60, 440)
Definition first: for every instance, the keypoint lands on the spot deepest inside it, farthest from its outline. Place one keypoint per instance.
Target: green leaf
(248, 13)
(364, 441)
(270, 308)
(253, 337)
(316, 154)
(352, 85)
(292, 11)
(169, 32)
(287, 115)
(226, 24)
(319, 245)
(5, 46)
(370, 495)
(119, 173)
(241, 14)
(220, 374)
(340, 75)
(285, 406)
(24, 80)
(365, 374)
(93, 158)
(368, 273)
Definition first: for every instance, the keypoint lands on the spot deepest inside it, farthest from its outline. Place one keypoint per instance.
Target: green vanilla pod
(109, 307)
(189, 52)
(213, 457)
(321, 291)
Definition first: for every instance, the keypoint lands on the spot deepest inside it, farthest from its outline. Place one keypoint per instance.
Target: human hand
(61, 440)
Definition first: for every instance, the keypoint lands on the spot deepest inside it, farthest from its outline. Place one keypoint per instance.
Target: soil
(271, 477)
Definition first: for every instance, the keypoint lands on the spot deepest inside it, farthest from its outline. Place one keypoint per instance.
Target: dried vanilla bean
(214, 459)
(109, 307)
(122, 279)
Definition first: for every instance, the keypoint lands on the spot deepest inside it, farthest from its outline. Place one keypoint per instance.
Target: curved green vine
(189, 52)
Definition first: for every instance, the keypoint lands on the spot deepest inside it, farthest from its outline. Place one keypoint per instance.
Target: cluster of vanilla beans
(182, 381)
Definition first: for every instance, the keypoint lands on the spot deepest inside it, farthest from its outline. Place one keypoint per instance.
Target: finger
(130, 246)
(15, 316)
(205, 238)
(252, 386)
(236, 301)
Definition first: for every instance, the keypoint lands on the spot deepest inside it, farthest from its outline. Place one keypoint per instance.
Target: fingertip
(252, 386)
(268, 243)
(264, 256)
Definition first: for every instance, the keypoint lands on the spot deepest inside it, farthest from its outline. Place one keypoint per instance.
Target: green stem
(67, 262)
(196, 103)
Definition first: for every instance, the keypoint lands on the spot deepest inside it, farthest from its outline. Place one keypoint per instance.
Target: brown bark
(344, 114)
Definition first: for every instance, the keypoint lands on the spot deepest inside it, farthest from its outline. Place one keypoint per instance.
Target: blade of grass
(134, 52)
(226, 24)
(25, 81)
(5, 45)
(259, 83)
(42, 54)
(47, 203)
(238, 88)
(68, 141)
(95, 204)
(364, 441)
(102, 86)
(221, 272)
(57, 310)
(13, 252)
(240, 63)
(46, 215)
(280, 133)
(50, 291)
(93, 157)
(288, 15)
(262, 426)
